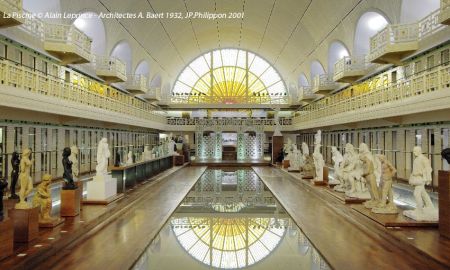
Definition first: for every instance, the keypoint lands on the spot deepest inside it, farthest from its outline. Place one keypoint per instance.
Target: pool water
(230, 220)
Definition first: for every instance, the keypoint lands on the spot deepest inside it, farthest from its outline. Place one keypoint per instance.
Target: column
(59, 148)
(38, 150)
(9, 142)
(401, 173)
(437, 159)
(388, 146)
(410, 142)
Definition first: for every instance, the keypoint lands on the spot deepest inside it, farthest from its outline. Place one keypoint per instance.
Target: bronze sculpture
(67, 165)
(3, 185)
(15, 163)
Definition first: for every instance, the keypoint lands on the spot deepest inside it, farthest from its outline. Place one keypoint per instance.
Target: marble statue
(67, 165)
(147, 153)
(26, 184)
(319, 163)
(308, 169)
(42, 199)
(369, 175)
(15, 164)
(103, 154)
(74, 159)
(337, 160)
(318, 138)
(349, 170)
(276, 120)
(386, 204)
(305, 150)
(3, 185)
(172, 147)
(421, 175)
(130, 158)
(295, 160)
(288, 149)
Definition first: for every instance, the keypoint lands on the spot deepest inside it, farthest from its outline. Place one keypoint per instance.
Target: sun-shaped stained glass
(228, 242)
(229, 76)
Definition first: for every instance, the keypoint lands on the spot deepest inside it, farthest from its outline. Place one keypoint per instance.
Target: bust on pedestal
(421, 175)
(103, 186)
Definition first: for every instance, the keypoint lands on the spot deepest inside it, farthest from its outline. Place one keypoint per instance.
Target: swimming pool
(230, 220)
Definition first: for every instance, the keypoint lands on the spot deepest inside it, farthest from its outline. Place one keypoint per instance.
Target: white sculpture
(103, 154)
(319, 163)
(370, 174)
(103, 185)
(130, 158)
(295, 160)
(147, 154)
(386, 204)
(421, 175)
(337, 160)
(171, 146)
(305, 150)
(74, 159)
(288, 149)
(349, 171)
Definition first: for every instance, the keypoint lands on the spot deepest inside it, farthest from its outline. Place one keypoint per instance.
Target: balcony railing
(7, 10)
(350, 68)
(436, 79)
(306, 94)
(153, 94)
(178, 121)
(444, 14)
(21, 77)
(67, 43)
(137, 84)
(323, 84)
(110, 69)
(187, 98)
(430, 25)
(393, 43)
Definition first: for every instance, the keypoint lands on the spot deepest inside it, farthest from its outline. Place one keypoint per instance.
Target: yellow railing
(111, 100)
(435, 79)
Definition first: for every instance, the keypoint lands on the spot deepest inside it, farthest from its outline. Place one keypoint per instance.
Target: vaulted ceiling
(284, 32)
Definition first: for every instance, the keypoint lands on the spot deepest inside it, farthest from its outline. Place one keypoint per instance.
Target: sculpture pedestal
(53, 223)
(102, 190)
(6, 238)
(444, 203)
(26, 224)
(324, 180)
(70, 202)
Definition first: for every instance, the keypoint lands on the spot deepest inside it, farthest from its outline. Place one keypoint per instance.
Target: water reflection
(230, 220)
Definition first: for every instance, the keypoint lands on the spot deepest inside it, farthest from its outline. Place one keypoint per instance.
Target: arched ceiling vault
(285, 32)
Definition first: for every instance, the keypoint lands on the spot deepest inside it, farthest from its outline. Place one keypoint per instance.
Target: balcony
(136, 84)
(306, 94)
(350, 68)
(323, 84)
(153, 94)
(67, 43)
(444, 12)
(9, 9)
(110, 69)
(424, 92)
(393, 43)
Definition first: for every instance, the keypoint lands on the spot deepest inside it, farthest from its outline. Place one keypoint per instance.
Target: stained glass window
(229, 76)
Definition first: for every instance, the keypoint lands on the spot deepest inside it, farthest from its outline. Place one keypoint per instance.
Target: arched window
(229, 76)
(368, 25)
